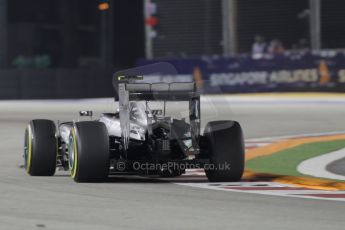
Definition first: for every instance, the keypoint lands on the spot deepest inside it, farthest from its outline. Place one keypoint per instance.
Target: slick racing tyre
(40, 148)
(226, 151)
(88, 152)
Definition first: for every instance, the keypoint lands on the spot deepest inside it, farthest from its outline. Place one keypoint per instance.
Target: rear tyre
(225, 147)
(40, 148)
(88, 152)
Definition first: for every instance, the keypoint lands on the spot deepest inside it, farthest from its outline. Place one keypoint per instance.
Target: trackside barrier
(324, 71)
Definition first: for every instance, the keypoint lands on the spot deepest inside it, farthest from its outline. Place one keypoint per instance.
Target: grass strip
(285, 162)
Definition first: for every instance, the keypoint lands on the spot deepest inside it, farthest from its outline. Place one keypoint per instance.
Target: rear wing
(132, 81)
(176, 91)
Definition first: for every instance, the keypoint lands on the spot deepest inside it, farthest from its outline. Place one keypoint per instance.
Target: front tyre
(40, 148)
(225, 147)
(88, 152)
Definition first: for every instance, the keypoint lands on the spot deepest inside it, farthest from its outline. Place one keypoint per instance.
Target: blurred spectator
(276, 47)
(21, 62)
(38, 62)
(259, 46)
(303, 45)
(42, 61)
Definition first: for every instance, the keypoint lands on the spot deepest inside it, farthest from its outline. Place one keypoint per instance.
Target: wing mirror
(86, 113)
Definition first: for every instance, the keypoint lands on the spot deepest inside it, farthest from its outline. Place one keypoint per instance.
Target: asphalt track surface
(132, 202)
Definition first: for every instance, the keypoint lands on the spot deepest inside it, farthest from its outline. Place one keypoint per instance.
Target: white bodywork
(138, 124)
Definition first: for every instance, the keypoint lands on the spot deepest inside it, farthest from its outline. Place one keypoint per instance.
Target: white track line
(317, 166)
(272, 139)
(271, 189)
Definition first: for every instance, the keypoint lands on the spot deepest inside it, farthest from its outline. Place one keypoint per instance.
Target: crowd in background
(261, 48)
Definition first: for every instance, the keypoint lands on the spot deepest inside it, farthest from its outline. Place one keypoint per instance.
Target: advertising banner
(292, 72)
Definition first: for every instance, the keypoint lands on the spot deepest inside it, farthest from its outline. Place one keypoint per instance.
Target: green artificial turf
(285, 162)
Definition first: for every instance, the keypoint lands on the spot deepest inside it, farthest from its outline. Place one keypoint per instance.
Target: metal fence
(55, 84)
(217, 27)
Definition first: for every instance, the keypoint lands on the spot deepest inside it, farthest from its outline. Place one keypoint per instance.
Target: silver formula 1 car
(137, 138)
